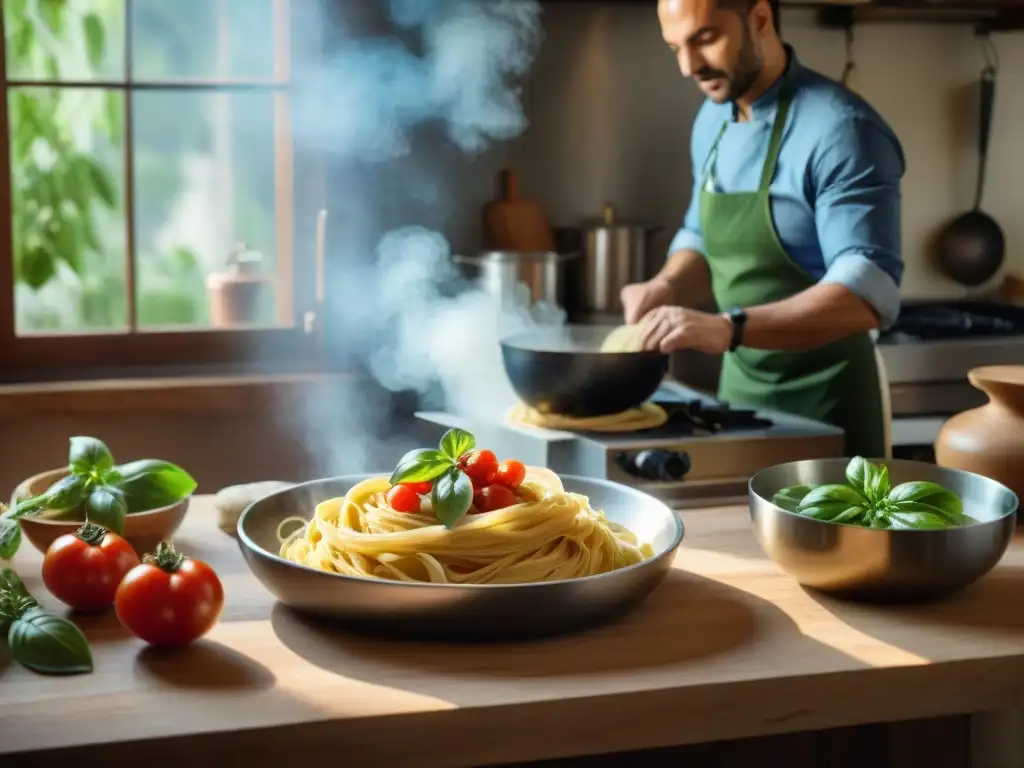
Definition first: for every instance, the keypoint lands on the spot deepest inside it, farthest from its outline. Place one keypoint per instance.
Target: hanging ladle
(971, 248)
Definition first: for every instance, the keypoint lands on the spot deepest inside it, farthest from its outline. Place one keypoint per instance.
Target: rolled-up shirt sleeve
(857, 212)
(689, 236)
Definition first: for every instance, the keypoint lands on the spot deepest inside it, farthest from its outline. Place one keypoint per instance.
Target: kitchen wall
(610, 120)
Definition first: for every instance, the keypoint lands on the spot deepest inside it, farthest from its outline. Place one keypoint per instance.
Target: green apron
(837, 383)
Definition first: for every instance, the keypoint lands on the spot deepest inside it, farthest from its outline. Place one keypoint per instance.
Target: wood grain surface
(727, 648)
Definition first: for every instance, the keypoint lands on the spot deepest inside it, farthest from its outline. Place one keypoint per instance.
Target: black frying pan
(971, 248)
(562, 371)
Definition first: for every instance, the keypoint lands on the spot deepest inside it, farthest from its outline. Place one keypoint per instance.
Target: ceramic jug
(989, 440)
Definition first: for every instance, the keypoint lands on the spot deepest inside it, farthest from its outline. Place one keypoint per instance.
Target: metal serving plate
(460, 612)
(882, 565)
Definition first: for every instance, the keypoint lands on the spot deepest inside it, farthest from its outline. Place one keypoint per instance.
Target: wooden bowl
(143, 530)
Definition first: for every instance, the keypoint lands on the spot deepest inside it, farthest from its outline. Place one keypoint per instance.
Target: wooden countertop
(727, 647)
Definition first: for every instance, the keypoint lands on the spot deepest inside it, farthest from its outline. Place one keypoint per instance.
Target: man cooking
(794, 226)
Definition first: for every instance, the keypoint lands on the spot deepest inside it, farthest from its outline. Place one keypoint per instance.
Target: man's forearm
(812, 318)
(687, 272)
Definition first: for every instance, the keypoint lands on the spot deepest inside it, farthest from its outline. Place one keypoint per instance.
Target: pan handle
(988, 99)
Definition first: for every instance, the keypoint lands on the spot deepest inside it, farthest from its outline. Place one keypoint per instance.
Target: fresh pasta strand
(551, 534)
(647, 416)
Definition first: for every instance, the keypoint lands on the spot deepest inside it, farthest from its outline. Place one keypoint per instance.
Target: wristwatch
(738, 318)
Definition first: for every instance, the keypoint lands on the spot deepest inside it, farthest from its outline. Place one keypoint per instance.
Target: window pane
(64, 39)
(67, 174)
(204, 182)
(202, 39)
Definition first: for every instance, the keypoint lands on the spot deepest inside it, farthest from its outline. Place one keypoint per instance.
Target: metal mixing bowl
(882, 565)
(462, 612)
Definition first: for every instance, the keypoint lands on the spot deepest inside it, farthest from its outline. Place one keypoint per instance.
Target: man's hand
(640, 298)
(668, 329)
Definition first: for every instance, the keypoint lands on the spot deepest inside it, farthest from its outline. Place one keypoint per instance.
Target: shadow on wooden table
(991, 610)
(687, 619)
(204, 665)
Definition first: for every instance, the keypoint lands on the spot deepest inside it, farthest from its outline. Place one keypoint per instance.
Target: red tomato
(402, 498)
(494, 497)
(84, 569)
(169, 599)
(420, 488)
(480, 466)
(510, 474)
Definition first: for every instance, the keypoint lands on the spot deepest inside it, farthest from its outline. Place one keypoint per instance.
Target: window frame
(291, 343)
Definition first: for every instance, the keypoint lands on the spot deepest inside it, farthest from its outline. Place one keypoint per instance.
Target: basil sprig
(37, 639)
(452, 493)
(866, 499)
(106, 492)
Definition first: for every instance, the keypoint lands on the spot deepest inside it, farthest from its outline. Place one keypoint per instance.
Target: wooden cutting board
(515, 223)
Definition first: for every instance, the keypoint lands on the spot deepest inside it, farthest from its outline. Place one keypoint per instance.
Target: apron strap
(709, 164)
(786, 94)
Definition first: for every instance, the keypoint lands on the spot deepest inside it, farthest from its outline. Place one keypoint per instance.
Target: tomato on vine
(169, 599)
(85, 568)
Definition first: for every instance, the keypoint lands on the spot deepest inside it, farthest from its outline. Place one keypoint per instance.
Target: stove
(703, 455)
(929, 352)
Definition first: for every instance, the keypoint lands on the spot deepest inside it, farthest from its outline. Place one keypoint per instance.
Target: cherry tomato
(169, 599)
(480, 466)
(420, 488)
(510, 474)
(494, 497)
(402, 498)
(84, 569)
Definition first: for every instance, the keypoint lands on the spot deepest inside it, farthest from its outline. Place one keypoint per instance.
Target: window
(146, 184)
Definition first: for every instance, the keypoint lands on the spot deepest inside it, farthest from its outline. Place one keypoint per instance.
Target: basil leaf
(420, 465)
(452, 496)
(921, 508)
(151, 484)
(68, 492)
(10, 537)
(106, 506)
(832, 494)
(855, 515)
(456, 442)
(858, 474)
(932, 494)
(87, 454)
(878, 483)
(920, 521)
(10, 582)
(789, 498)
(827, 511)
(49, 644)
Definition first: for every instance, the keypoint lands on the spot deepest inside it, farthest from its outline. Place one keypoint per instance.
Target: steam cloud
(364, 106)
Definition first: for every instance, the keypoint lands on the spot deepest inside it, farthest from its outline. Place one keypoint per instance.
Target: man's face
(715, 46)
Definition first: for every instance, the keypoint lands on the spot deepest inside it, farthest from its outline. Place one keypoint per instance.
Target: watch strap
(738, 318)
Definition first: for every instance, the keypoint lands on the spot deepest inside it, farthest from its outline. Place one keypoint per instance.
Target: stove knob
(658, 465)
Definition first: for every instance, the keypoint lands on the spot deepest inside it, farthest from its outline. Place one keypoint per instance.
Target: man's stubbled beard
(744, 75)
(748, 67)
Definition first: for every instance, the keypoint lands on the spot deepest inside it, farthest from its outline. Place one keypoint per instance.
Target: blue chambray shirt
(835, 198)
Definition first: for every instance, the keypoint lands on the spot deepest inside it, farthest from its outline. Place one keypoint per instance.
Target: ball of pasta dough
(625, 338)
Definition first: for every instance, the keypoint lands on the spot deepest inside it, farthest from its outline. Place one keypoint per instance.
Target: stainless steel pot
(614, 254)
(542, 274)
